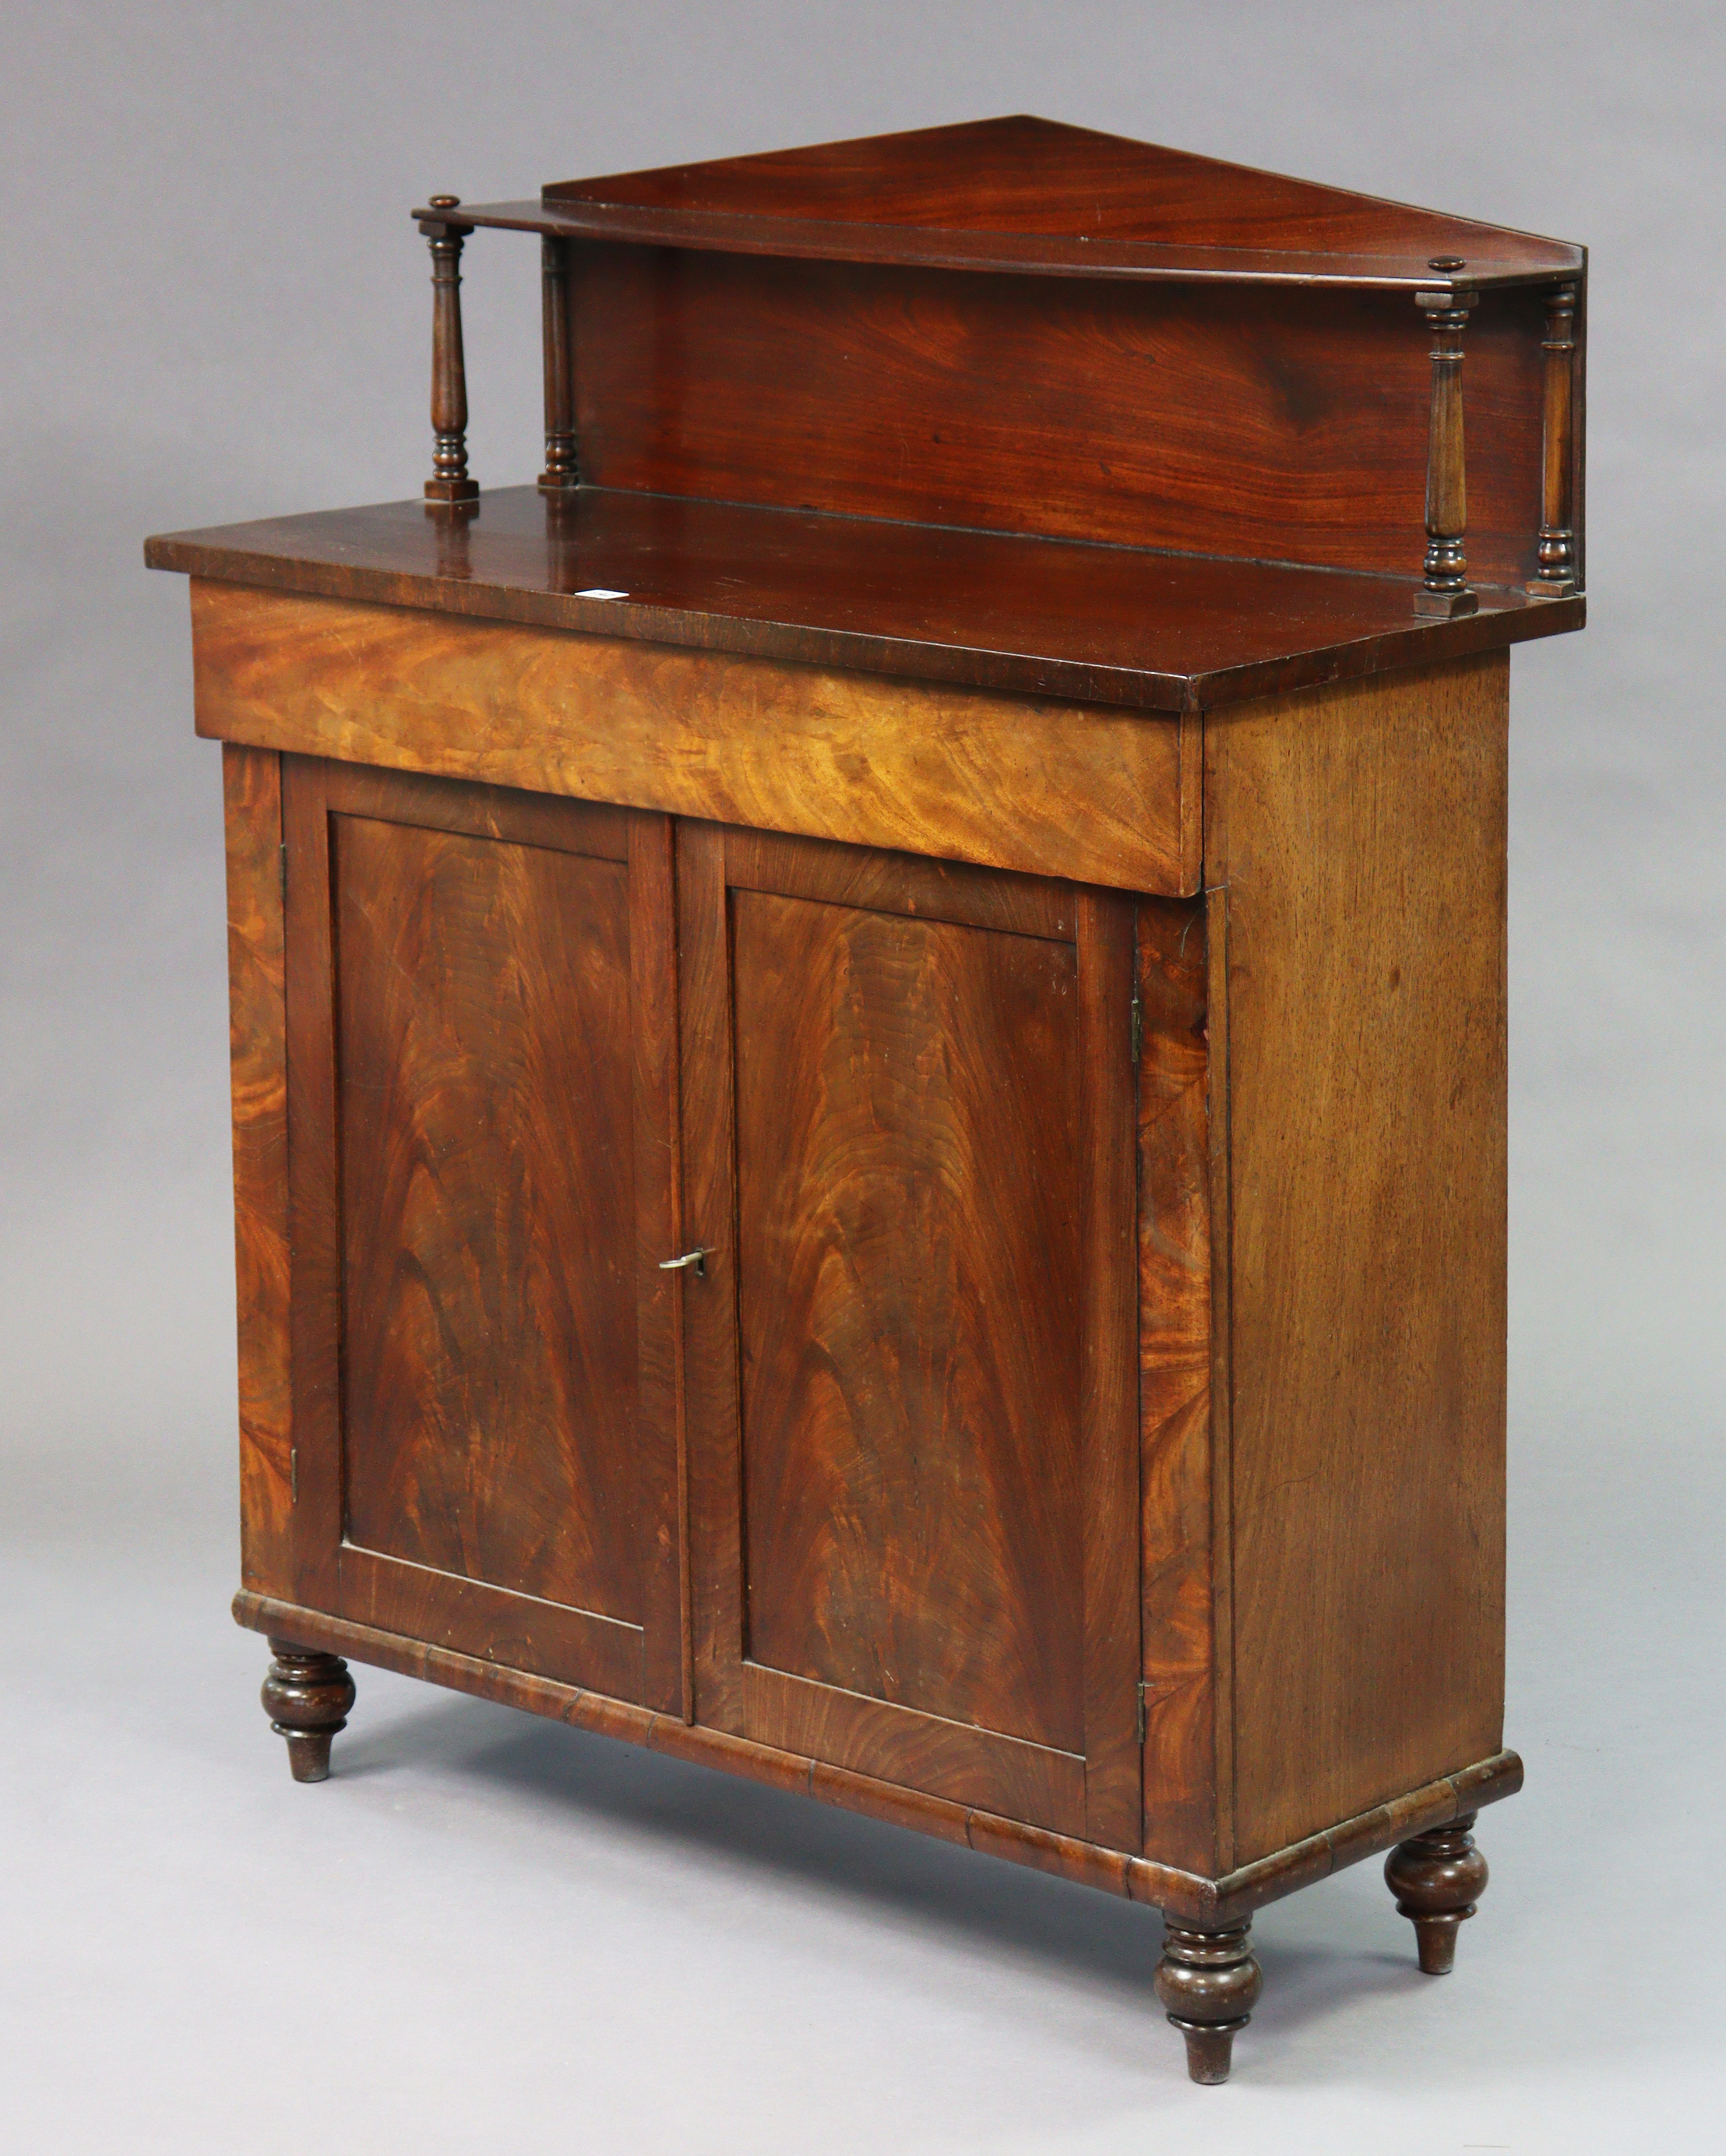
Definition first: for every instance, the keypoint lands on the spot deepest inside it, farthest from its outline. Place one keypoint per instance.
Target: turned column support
(1438, 1879)
(1557, 577)
(307, 1697)
(1209, 1983)
(449, 481)
(562, 468)
(1446, 591)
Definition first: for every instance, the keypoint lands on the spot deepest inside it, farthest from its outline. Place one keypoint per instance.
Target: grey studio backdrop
(491, 1932)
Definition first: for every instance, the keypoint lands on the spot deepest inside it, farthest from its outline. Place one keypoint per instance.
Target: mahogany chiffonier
(869, 1027)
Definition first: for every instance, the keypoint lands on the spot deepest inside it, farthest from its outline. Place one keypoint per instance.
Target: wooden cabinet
(871, 1151)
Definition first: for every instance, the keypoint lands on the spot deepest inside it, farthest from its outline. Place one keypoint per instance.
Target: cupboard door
(912, 1405)
(481, 1106)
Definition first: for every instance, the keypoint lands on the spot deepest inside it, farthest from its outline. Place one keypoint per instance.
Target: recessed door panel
(487, 1210)
(908, 1310)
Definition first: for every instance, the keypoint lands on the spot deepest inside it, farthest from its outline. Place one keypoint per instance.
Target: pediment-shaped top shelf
(1033, 196)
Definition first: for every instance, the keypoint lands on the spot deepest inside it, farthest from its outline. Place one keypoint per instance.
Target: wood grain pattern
(1269, 425)
(1180, 1894)
(914, 1532)
(313, 1185)
(1105, 1189)
(908, 1143)
(1174, 1323)
(662, 1474)
(1361, 834)
(1022, 175)
(470, 1088)
(1222, 1381)
(488, 1207)
(257, 1032)
(1041, 618)
(1037, 1783)
(862, 878)
(712, 1396)
(966, 775)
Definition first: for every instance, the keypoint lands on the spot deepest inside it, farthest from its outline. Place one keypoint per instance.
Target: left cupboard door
(481, 1183)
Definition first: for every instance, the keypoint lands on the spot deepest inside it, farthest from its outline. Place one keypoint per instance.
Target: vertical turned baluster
(562, 466)
(1446, 591)
(1557, 577)
(449, 481)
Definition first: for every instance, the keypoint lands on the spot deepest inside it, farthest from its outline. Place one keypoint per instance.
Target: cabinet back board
(1264, 422)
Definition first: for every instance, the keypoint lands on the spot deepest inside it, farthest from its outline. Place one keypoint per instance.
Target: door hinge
(294, 1499)
(282, 858)
(1142, 1689)
(1138, 1028)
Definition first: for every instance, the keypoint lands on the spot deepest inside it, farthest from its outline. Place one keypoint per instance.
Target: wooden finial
(449, 481)
(307, 1695)
(1437, 1879)
(1209, 1983)
(1557, 577)
(1446, 591)
(563, 467)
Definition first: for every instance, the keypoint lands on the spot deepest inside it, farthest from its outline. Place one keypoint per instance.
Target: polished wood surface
(1022, 783)
(488, 1304)
(1184, 1895)
(1209, 1983)
(1267, 425)
(1438, 1878)
(450, 481)
(308, 1696)
(563, 466)
(1111, 625)
(915, 1492)
(1360, 836)
(256, 1022)
(473, 1161)
(868, 1030)
(907, 1136)
(1034, 194)
(1445, 589)
(1182, 1768)
(1560, 571)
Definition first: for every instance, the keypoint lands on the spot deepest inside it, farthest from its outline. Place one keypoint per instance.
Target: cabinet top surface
(1029, 194)
(1104, 623)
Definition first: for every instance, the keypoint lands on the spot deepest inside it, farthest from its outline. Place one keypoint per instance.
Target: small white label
(598, 593)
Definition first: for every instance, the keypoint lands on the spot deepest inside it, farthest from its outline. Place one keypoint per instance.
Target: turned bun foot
(1210, 1984)
(307, 1695)
(1437, 1879)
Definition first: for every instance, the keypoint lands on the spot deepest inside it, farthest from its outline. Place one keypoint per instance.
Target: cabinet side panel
(1174, 1390)
(251, 787)
(1360, 831)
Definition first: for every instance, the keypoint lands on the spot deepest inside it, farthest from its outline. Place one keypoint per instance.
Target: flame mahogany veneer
(869, 1028)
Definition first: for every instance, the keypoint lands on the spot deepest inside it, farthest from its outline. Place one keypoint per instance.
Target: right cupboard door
(911, 1360)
